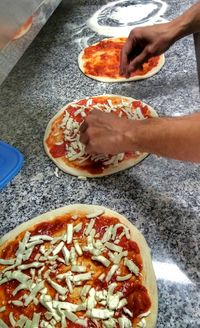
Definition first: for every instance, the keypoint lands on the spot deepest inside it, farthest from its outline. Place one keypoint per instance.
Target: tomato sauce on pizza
(73, 271)
(103, 60)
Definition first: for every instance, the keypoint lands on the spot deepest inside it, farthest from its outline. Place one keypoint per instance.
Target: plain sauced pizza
(77, 266)
(101, 62)
(62, 136)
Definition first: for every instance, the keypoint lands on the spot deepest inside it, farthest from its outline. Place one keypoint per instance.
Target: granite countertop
(160, 196)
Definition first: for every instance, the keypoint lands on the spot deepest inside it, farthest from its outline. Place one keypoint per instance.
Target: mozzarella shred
(142, 323)
(132, 266)
(112, 271)
(102, 259)
(95, 214)
(58, 248)
(100, 313)
(123, 278)
(3, 324)
(124, 322)
(113, 247)
(69, 233)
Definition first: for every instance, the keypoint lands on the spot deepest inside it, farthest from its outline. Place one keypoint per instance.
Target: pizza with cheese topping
(101, 61)
(77, 266)
(62, 136)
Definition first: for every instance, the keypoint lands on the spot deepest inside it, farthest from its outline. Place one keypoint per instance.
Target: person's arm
(146, 42)
(177, 138)
(188, 22)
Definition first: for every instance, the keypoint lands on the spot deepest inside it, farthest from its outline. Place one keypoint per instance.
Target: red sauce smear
(138, 299)
(58, 150)
(102, 223)
(129, 245)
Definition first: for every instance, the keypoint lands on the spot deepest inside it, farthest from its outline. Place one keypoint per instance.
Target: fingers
(89, 150)
(125, 53)
(148, 52)
(84, 138)
(83, 127)
(96, 130)
(138, 61)
(123, 62)
(140, 46)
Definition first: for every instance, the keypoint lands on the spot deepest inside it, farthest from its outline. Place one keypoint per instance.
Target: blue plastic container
(11, 162)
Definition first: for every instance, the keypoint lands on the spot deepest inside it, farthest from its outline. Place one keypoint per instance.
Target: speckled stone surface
(160, 196)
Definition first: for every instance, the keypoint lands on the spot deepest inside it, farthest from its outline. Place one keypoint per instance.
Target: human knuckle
(132, 34)
(89, 120)
(89, 132)
(150, 50)
(88, 149)
(92, 142)
(92, 133)
(136, 32)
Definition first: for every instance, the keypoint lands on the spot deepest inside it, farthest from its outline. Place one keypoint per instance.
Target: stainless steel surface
(11, 18)
(12, 15)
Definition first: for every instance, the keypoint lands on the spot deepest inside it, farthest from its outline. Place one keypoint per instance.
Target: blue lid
(11, 162)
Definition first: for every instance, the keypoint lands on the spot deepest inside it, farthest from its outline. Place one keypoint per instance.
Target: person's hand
(144, 43)
(105, 133)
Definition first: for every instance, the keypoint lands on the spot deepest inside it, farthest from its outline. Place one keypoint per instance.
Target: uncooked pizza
(77, 266)
(101, 61)
(62, 136)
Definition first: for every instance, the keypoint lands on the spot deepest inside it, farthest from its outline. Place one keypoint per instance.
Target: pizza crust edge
(83, 209)
(107, 171)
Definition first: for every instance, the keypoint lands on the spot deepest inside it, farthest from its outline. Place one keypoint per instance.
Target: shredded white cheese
(67, 251)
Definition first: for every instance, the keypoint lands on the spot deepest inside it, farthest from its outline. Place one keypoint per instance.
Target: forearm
(177, 138)
(187, 23)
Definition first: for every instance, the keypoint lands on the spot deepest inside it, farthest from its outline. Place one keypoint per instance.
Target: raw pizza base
(120, 79)
(149, 279)
(107, 171)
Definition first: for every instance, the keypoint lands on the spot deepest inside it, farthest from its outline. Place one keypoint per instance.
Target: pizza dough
(65, 126)
(101, 62)
(42, 225)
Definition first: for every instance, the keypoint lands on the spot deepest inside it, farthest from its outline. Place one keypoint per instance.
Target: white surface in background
(170, 272)
(132, 13)
(126, 15)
